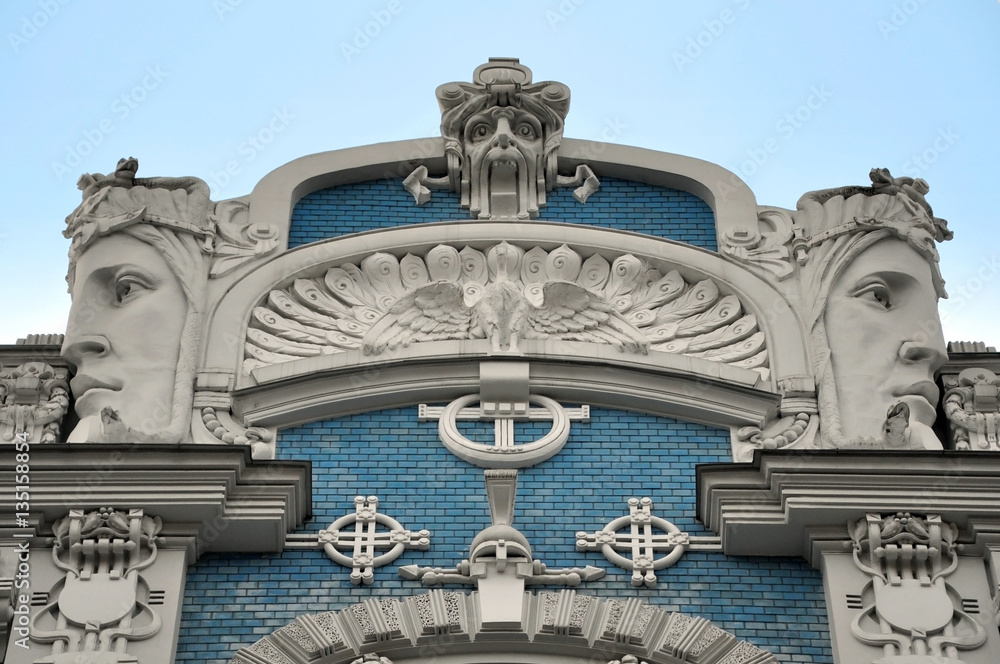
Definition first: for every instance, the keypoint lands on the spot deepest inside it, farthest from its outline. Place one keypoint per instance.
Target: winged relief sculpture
(501, 312)
(504, 295)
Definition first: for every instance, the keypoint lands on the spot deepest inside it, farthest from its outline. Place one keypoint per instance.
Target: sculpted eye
(481, 131)
(525, 130)
(128, 287)
(877, 293)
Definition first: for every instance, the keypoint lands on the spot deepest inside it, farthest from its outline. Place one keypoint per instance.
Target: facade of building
(500, 396)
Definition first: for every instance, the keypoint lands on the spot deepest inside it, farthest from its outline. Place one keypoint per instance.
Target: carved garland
(503, 294)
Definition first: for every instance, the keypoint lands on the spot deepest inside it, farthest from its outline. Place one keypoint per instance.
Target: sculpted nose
(77, 348)
(933, 355)
(503, 138)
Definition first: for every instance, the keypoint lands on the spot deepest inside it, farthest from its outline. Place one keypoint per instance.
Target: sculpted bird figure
(501, 312)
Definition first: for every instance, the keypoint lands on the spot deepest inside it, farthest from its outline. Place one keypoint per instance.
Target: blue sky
(792, 96)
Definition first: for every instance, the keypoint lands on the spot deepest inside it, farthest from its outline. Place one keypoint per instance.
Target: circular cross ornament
(650, 552)
(364, 540)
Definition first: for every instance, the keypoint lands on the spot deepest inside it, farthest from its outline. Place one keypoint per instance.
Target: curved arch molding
(671, 384)
(443, 625)
(274, 197)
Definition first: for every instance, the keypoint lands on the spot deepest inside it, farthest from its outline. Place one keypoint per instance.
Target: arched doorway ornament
(564, 623)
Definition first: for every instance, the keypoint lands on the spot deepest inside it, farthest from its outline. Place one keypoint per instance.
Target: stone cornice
(783, 501)
(672, 385)
(216, 494)
(15, 354)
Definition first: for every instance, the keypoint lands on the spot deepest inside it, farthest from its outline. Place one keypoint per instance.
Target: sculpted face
(504, 149)
(124, 336)
(885, 340)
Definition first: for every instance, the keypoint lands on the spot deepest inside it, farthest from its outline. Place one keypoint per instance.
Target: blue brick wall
(234, 600)
(642, 208)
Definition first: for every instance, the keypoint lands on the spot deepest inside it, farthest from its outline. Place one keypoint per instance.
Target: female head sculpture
(139, 263)
(869, 286)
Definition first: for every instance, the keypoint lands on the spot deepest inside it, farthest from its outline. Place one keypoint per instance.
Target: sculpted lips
(83, 383)
(925, 388)
(923, 398)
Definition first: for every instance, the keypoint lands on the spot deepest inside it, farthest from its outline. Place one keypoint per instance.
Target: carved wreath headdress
(893, 204)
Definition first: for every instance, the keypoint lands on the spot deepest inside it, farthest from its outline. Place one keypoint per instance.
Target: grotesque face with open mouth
(504, 155)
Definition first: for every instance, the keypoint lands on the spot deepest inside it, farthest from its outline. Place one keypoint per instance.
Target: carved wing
(573, 313)
(385, 302)
(433, 312)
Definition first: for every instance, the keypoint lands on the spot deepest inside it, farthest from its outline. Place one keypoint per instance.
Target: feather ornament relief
(503, 295)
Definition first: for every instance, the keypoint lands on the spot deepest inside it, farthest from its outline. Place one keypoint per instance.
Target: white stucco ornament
(640, 541)
(505, 294)
(133, 338)
(502, 135)
(908, 608)
(972, 405)
(504, 451)
(363, 542)
(102, 605)
(500, 563)
(860, 266)
(34, 397)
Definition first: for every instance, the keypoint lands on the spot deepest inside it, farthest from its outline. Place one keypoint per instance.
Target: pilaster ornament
(908, 608)
(640, 542)
(502, 135)
(364, 540)
(103, 603)
(34, 397)
(972, 405)
(504, 294)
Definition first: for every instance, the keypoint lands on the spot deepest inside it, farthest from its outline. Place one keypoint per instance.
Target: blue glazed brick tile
(641, 208)
(775, 603)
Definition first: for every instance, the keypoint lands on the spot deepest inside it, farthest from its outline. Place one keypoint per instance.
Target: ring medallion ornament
(504, 451)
